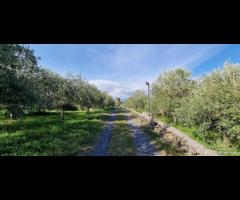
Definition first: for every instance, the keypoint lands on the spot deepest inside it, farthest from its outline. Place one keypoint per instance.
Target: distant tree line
(27, 87)
(210, 102)
(137, 101)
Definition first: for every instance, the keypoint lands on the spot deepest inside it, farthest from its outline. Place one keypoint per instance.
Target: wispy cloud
(134, 61)
(131, 65)
(119, 89)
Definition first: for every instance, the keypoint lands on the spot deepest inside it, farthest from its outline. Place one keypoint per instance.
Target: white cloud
(119, 89)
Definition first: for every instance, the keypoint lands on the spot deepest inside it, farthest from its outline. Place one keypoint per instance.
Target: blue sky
(120, 69)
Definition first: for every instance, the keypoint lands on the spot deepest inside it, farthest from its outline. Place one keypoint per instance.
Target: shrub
(213, 105)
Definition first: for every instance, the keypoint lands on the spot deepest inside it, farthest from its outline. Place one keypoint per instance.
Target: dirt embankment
(174, 137)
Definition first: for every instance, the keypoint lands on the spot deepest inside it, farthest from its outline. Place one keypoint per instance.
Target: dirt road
(142, 143)
(104, 138)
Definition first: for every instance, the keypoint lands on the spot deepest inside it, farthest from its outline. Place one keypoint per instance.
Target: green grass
(46, 136)
(121, 143)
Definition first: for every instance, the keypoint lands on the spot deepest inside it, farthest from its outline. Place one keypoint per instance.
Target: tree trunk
(174, 119)
(62, 114)
(39, 109)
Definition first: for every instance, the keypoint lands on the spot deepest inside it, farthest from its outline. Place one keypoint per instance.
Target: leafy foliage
(213, 105)
(169, 90)
(18, 70)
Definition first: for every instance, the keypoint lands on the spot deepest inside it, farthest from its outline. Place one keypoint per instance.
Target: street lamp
(147, 83)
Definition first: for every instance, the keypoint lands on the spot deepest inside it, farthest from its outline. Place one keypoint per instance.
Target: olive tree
(137, 101)
(46, 84)
(168, 91)
(18, 70)
(108, 101)
(214, 105)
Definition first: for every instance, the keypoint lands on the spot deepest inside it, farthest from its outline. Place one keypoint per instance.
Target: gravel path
(104, 139)
(142, 145)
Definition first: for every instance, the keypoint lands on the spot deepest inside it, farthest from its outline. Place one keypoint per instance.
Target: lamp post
(147, 83)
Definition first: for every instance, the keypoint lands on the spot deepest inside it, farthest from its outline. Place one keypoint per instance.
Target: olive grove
(27, 87)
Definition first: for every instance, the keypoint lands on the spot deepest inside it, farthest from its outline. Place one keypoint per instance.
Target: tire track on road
(141, 142)
(101, 148)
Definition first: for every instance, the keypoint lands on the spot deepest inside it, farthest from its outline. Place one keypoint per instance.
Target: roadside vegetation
(163, 148)
(207, 108)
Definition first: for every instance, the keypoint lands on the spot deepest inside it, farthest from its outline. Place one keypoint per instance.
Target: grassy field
(122, 142)
(45, 135)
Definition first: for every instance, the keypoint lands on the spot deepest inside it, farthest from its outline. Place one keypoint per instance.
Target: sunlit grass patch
(122, 143)
(40, 135)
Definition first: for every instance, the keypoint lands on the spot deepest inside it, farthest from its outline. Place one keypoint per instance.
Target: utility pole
(147, 83)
